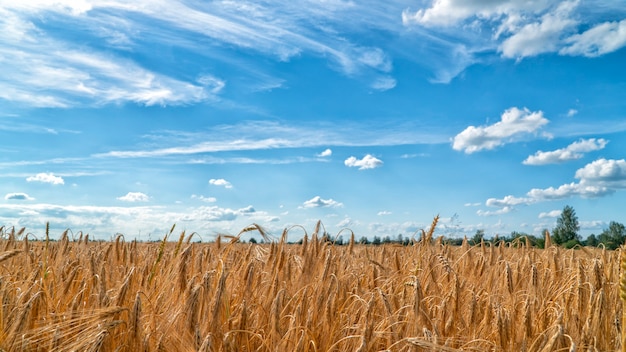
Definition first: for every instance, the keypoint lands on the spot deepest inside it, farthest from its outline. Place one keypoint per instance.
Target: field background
(79, 295)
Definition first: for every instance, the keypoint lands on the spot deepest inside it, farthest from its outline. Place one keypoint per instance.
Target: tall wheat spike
(622, 294)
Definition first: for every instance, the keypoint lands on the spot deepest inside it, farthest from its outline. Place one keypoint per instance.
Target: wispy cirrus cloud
(52, 72)
(98, 71)
(384, 83)
(263, 135)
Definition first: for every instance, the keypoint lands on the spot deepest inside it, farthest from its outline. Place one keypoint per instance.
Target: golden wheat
(71, 295)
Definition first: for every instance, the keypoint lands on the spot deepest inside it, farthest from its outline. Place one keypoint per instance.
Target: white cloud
(542, 36)
(384, 83)
(211, 83)
(18, 196)
(596, 179)
(375, 58)
(134, 221)
(204, 199)
(603, 171)
(52, 72)
(325, 153)
(368, 162)
(133, 197)
(573, 151)
(450, 12)
(599, 40)
(572, 112)
(569, 190)
(318, 202)
(46, 178)
(220, 182)
(507, 201)
(520, 28)
(264, 135)
(247, 210)
(383, 213)
(215, 214)
(593, 225)
(550, 214)
(278, 30)
(514, 122)
(472, 204)
(503, 210)
(346, 222)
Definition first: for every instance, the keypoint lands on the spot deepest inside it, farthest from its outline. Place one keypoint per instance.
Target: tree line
(566, 234)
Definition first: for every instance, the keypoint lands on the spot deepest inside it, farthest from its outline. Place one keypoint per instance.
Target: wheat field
(74, 294)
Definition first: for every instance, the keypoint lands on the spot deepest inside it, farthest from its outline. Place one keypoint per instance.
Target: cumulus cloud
(368, 162)
(450, 12)
(514, 122)
(318, 202)
(598, 40)
(550, 214)
(247, 210)
(325, 153)
(138, 221)
(520, 28)
(573, 151)
(596, 179)
(542, 36)
(18, 196)
(384, 212)
(133, 197)
(220, 182)
(506, 201)
(603, 171)
(568, 190)
(46, 178)
(572, 112)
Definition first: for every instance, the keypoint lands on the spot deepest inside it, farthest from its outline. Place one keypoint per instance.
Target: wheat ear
(622, 295)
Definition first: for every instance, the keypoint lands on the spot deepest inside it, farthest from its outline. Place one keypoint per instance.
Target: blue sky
(368, 115)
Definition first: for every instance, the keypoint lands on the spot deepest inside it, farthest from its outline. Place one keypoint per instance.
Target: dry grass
(181, 296)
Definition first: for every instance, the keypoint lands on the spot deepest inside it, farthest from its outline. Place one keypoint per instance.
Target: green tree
(478, 236)
(614, 236)
(566, 230)
(592, 241)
